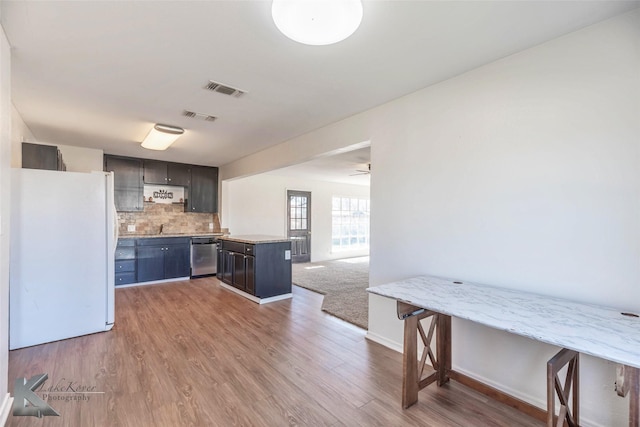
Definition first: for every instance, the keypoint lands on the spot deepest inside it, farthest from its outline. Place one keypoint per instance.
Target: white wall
(528, 171)
(20, 132)
(5, 188)
(523, 174)
(258, 205)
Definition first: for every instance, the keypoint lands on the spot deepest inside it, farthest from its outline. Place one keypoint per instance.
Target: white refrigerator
(63, 239)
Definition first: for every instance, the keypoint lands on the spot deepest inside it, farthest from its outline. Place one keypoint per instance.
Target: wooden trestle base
(412, 378)
(628, 382)
(413, 371)
(555, 387)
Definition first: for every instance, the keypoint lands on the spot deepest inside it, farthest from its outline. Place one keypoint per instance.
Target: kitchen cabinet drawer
(233, 246)
(161, 241)
(125, 252)
(125, 266)
(125, 278)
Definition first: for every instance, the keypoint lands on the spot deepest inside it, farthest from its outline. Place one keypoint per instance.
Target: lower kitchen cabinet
(262, 270)
(162, 258)
(125, 260)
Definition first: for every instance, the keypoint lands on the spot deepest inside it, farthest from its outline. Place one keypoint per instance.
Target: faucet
(161, 227)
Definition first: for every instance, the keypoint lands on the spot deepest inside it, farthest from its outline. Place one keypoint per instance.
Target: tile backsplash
(171, 217)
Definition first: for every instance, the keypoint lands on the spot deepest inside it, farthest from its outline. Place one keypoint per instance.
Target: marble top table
(598, 331)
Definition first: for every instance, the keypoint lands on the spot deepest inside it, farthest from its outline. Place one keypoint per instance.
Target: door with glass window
(299, 224)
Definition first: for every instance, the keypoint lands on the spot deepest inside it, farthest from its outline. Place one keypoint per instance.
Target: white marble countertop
(255, 239)
(598, 331)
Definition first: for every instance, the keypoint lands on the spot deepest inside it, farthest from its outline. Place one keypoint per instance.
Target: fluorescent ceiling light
(317, 22)
(161, 137)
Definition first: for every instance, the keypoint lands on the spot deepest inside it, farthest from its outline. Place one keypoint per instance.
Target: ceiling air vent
(200, 116)
(224, 89)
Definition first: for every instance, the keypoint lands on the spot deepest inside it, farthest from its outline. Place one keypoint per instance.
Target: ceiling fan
(363, 172)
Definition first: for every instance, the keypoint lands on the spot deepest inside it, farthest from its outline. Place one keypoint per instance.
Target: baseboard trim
(372, 336)
(5, 409)
(500, 396)
(254, 298)
(153, 282)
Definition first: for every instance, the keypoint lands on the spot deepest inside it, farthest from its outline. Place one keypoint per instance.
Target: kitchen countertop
(255, 239)
(152, 236)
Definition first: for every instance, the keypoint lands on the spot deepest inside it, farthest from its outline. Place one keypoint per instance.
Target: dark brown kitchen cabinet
(155, 172)
(225, 266)
(38, 156)
(200, 182)
(167, 173)
(179, 174)
(262, 270)
(128, 186)
(125, 260)
(162, 258)
(203, 192)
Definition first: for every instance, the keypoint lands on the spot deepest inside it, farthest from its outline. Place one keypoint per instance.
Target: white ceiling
(99, 74)
(345, 168)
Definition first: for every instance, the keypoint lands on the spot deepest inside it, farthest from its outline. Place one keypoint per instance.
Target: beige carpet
(342, 282)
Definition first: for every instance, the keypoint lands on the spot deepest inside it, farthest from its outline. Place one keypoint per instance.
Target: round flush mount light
(317, 22)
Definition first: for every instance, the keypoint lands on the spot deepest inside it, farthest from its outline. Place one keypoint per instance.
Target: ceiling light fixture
(317, 22)
(161, 137)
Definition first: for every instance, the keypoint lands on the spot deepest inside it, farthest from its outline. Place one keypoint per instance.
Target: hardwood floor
(194, 354)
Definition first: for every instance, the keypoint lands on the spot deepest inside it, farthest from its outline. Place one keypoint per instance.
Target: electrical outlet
(131, 228)
(210, 226)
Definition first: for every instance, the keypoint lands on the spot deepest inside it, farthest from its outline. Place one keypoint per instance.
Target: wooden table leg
(555, 388)
(443, 347)
(410, 386)
(634, 396)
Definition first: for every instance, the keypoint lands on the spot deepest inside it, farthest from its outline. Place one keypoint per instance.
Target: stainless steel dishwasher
(204, 256)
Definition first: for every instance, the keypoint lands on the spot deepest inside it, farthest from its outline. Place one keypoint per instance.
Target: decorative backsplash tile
(170, 217)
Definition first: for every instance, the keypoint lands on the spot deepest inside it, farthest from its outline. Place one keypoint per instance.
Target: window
(350, 223)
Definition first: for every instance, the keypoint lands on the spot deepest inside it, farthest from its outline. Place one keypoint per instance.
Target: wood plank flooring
(194, 354)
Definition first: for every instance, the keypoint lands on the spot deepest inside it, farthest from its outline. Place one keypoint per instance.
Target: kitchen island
(258, 267)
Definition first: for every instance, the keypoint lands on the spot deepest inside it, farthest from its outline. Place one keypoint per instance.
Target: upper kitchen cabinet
(203, 193)
(155, 172)
(38, 156)
(128, 186)
(178, 174)
(167, 173)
